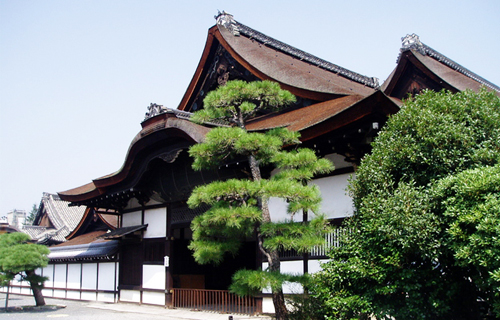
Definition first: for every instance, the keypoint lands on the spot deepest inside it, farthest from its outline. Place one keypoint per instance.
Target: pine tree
(239, 208)
(19, 257)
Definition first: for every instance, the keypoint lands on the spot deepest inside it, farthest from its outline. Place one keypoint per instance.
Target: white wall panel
(277, 208)
(315, 265)
(153, 277)
(267, 305)
(336, 202)
(89, 276)
(106, 276)
(157, 298)
(105, 297)
(48, 272)
(47, 293)
(26, 290)
(130, 296)
(74, 295)
(74, 276)
(59, 294)
(132, 219)
(60, 276)
(156, 219)
(88, 296)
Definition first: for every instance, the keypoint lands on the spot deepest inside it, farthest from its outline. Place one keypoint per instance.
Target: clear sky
(76, 77)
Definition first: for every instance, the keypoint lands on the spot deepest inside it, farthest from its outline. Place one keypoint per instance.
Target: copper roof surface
(444, 70)
(295, 70)
(227, 22)
(83, 239)
(160, 128)
(306, 117)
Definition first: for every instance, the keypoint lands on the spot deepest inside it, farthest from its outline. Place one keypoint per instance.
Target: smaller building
(5, 227)
(54, 221)
(16, 218)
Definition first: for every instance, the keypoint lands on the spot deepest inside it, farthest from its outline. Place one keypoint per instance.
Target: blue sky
(76, 77)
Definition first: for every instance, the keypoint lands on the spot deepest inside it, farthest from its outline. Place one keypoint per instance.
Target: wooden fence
(220, 301)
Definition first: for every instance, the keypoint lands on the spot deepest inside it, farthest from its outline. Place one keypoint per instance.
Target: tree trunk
(273, 258)
(36, 287)
(37, 293)
(7, 297)
(280, 310)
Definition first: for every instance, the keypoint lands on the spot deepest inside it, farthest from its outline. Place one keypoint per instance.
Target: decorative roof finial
(154, 110)
(412, 41)
(227, 21)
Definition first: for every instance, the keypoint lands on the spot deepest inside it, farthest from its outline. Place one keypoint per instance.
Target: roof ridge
(226, 20)
(412, 41)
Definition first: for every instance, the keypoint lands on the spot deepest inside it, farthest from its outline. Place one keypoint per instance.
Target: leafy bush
(425, 235)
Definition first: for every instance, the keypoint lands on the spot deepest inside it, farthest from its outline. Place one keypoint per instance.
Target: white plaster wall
(60, 276)
(74, 295)
(132, 219)
(267, 305)
(156, 219)
(338, 160)
(315, 265)
(105, 297)
(26, 290)
(89, 276)
(59, 294)
(292, 267)
(106, 280)
(336, 203)
(130, 296)
(157, 298)
(277, 208)
(153, 277)
(48, 272)
(74, 274)
(89, 296)
(47, 293)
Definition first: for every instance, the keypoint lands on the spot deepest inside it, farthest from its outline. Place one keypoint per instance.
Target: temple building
(338, 113)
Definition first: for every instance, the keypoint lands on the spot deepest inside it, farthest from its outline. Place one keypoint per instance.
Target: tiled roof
(120, 232)
(63, 217)
(89, 251)
(44, 235)
(60, 213)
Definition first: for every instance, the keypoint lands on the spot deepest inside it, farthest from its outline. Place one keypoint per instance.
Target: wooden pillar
(168, 251)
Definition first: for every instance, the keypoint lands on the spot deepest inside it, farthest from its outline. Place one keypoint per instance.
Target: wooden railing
(220, 301)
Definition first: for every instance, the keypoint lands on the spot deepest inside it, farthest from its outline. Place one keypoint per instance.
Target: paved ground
(79, 310)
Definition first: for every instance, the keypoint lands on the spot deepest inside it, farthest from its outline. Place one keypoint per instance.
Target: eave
(160, 134)
(303, 74)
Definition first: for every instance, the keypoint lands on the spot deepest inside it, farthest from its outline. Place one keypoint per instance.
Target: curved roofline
(225, 19)
(155, 130)
(412, 42)
(226, 26)
(441, 69)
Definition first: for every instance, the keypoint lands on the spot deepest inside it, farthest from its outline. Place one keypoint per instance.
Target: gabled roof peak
(227, 21)
(412, 42)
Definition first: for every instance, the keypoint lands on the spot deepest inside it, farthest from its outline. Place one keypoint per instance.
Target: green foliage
(424, 239)
(253, 282)
(19, 257)
(470, 204)
(239, 100)
(31, 215)
(239, 207)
